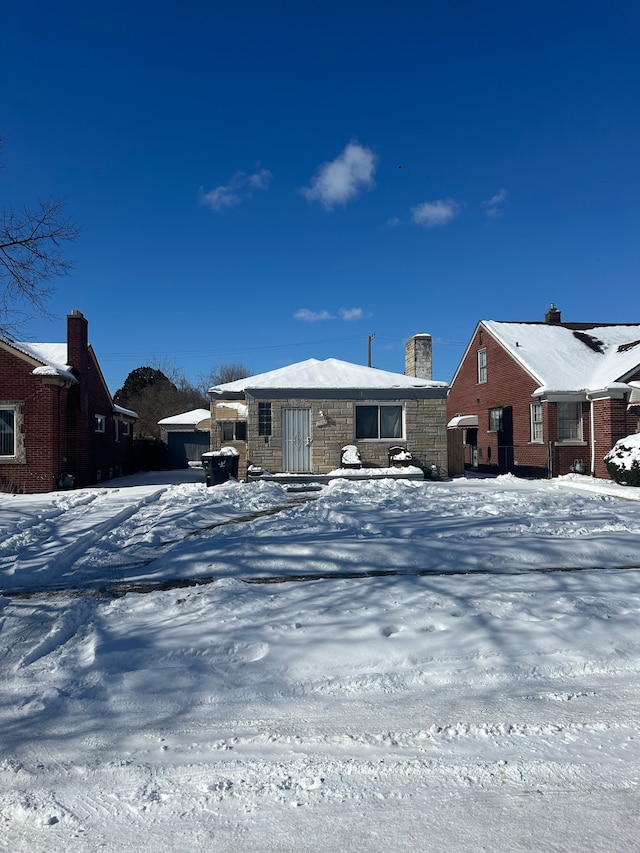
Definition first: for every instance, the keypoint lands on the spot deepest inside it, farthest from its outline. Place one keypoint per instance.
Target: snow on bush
(623, 461)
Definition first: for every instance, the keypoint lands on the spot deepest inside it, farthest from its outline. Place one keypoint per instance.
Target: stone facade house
(298, 419)
(59, 426)
(545, 398)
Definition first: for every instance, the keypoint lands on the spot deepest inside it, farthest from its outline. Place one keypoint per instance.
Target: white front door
(296, 441)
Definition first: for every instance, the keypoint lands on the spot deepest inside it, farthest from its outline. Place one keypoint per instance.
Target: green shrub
(623, 461)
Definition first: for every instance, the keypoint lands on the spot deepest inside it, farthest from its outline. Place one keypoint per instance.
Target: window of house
(101, 423)
(126, 428)
(378, 422)
(495, 420)
(7, 431)
(482, 365)
(569, 422)
(264, 418)
(535, 414)
(233, 430)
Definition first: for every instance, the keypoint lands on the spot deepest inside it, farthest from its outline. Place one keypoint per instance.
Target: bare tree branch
(32, 243)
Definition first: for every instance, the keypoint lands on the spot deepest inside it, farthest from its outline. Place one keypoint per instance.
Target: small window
(101, 423)
(7, 431)
(569, 422)
(233, 431)
(126, 428)
(495, 420)
(378, 422)
(264, 418)
(482, 366)
(535, 413)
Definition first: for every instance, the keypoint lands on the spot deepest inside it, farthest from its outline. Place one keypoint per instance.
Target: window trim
(379, 406)
(536, 425)
(481, 356)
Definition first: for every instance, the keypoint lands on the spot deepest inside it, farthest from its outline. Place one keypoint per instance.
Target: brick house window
(7, 431)
(495, 420)
(569, 422)
(378, 422)
(535, 415)
(101, 423)
(126, 428)
(482, 366)
(264, 418)
(233, 430)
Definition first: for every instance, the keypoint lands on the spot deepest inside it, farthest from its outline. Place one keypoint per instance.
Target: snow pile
(454, 668)
(623, 460)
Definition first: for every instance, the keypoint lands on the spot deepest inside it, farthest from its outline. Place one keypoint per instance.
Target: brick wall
(56, 421)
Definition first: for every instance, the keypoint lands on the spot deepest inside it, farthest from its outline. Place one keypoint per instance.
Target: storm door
(296, 440)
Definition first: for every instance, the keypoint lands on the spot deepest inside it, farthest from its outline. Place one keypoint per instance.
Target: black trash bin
(220, 466)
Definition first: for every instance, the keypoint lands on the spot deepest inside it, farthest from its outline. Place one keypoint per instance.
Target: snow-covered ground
(461, 672)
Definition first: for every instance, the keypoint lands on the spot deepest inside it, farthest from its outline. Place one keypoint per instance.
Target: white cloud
(434, 213)
(494, 206)
(345, 314)
(312, 316)
(351, 313)
(342, 179)
(393, 222)
(237, 190)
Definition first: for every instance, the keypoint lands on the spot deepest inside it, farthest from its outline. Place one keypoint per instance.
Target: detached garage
(187, 437)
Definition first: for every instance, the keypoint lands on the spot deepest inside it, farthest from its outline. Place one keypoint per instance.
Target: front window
(482, 365)
(569, 422)
(264, 418)
(233, 430)
(100, 423)
(535, 412)
(7, 431)
(495, 420)
(378, 422)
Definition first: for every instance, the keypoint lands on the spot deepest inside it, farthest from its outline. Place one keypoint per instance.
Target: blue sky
(269, 182)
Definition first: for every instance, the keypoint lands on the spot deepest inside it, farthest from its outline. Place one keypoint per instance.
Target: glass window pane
(241, 431)
(390, 421)
(366, 422)
(7, 428)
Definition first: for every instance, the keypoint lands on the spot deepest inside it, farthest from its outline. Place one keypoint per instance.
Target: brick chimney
(418, 357)
(553, 315)
(77, 341)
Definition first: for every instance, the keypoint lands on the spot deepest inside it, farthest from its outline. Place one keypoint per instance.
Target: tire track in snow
(48, 561)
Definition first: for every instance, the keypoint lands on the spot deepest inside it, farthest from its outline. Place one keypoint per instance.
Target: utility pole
(371, 337)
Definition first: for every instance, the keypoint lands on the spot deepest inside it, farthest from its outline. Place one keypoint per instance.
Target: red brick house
(545, 398)
(58, 424)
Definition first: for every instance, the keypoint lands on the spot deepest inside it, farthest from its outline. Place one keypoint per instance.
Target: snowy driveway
(430, 710)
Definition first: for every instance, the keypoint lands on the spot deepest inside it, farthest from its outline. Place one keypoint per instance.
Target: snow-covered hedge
(623, 461)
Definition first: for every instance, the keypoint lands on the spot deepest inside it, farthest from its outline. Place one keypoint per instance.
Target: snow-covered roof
(119, 410)
(563, 358)
(331, 373)
(186, 418)
(52, 358)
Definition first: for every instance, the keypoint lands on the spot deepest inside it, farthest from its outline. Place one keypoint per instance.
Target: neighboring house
(545, 398)
(298, 418)
(186, 436)
(58, 425)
